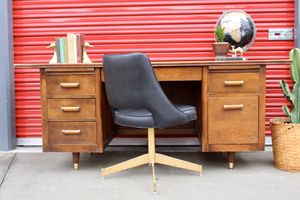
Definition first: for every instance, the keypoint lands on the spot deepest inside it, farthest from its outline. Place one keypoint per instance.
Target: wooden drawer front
(179, 73)
(247, 82)
(81, 133)
(233, 120)
(80, 84)
(71, 109)
(175, 74)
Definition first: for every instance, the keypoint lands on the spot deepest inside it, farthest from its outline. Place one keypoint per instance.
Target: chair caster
(75, 166)
(154, 188)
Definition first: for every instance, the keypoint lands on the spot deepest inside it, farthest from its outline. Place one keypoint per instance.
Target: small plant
(294, 96)
(220, 34)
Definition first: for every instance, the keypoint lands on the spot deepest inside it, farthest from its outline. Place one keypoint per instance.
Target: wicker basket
(286, 144)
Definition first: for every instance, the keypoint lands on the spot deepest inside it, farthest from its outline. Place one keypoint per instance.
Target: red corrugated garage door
(165, 30)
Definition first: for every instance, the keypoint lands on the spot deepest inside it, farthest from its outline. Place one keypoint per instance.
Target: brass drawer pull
(233, 107)
(71, 132)
(70, 109)
(69, 85)
(234, 83)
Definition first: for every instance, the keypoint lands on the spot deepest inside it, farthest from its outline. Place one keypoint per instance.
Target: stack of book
(69, 49)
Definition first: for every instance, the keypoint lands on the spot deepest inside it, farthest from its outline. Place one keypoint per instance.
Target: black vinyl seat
(137, 100)
(142, 118)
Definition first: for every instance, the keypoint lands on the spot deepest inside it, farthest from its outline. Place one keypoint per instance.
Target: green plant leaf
(286, 110)
(296, 103)
(295, 66)
(286, 91)
(294, 96)
(220, 34)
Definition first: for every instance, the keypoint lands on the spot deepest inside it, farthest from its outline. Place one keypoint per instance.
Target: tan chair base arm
(152, 158)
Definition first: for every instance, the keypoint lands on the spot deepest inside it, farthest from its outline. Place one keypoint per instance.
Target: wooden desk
(229, 96)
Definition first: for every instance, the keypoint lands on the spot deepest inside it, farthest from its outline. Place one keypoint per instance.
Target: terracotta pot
(221, 49)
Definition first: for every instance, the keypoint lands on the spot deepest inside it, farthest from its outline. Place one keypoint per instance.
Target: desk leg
(76, 156)
(230, 160)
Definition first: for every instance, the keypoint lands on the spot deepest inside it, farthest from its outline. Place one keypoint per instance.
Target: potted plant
(286, 130)
(220, 47)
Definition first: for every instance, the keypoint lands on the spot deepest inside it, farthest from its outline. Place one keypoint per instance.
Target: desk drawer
(66, 133)
(77, 84)
(233, 120)
(222, 82)
(71, 109)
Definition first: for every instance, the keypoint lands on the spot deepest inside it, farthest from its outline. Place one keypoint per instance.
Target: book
(57, 49)
(80, 42)
(75, 45)
(65, 51)
(233, 58)
(70, 49)
(61, 45)
(71, 37)
(60, 48)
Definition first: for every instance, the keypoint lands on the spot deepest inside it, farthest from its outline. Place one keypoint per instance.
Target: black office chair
(137, 100)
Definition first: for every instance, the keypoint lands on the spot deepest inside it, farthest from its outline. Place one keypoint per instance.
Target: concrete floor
(44, 176)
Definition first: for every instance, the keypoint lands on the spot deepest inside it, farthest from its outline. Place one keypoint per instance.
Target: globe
(239, 28)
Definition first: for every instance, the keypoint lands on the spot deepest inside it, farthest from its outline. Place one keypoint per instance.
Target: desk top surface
(163, 64)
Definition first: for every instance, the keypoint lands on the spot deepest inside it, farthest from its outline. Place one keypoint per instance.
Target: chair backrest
(130, 82)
